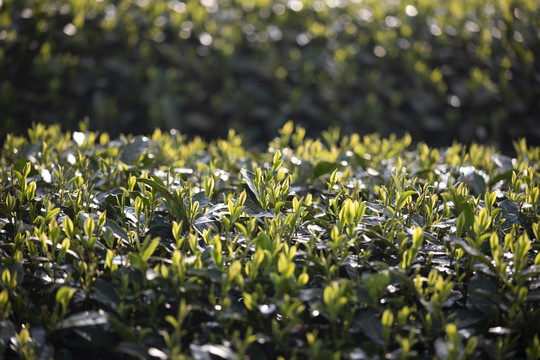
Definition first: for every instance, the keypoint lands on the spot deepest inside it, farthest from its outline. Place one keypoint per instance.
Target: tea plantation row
(440, 70)
(344, 247)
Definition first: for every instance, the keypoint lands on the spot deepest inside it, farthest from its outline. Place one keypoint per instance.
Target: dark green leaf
(510, 212)
(213, 275)
(133, 150)
(135, 350)
(463, 244)
(247, 177)
(370, 326)
(484, 296)
(202, 199)
(118, 232)
(105, 293)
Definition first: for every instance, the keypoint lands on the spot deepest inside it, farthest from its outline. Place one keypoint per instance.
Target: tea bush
(440, 70)
(343, 247)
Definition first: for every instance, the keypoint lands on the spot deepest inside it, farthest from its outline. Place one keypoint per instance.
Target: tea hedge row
(344, 247)
(440, 70)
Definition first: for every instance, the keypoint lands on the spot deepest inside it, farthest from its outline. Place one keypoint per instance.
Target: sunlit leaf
(85, 318)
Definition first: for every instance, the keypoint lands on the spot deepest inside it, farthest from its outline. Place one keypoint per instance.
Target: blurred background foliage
(439, 69)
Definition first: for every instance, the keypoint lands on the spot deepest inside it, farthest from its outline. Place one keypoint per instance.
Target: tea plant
(347, 247)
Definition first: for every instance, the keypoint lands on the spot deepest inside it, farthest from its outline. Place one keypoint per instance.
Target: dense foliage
(344, 248)
(440, 70)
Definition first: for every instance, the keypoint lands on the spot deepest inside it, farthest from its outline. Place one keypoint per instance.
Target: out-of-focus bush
(438, 69)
